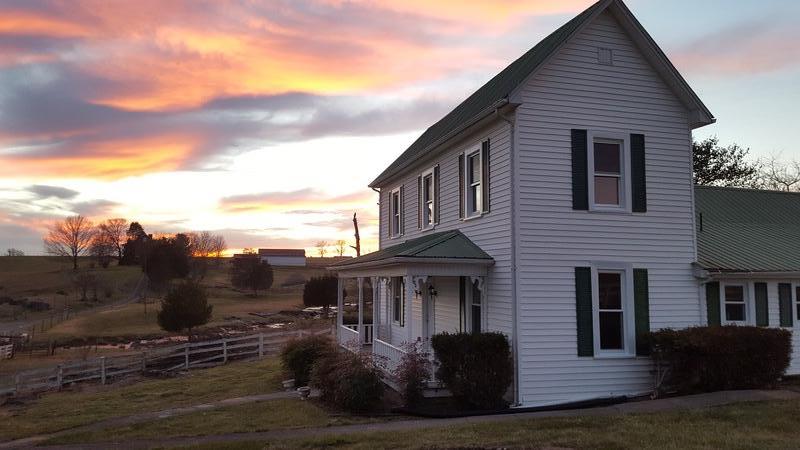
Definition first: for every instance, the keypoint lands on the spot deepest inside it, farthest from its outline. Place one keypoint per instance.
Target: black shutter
(762, 305)
(712, 303)
(580, 173)
(402, 202)
(462, 305)
(420, 199)
(638, 174)
(583, 311)
(785, 305)
(461, 186)
(485, 176)
(391, 219)
(436, 206)
(641, 300)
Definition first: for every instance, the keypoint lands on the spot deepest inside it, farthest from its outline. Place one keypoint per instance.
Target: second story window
(474, 181)
(428, 187)
(396, 212)
(608, 181)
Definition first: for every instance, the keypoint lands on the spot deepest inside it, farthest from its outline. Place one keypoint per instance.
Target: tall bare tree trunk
(357, 247)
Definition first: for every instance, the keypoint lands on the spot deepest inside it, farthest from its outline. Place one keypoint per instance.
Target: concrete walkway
(667, 404)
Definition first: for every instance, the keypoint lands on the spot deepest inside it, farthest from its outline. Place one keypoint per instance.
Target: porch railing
(387, 354)
(366, 335)
(347, 336)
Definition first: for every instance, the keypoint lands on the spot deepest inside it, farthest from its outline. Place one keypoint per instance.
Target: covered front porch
(405, 294)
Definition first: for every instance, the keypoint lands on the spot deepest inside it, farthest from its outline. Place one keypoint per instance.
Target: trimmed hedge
(299, 355)
(476, 368)
(720, 358)
(348, 381)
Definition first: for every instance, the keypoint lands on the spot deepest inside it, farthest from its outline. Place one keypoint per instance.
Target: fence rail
(187, 356)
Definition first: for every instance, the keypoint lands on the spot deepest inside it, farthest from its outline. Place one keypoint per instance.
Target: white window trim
(625, 169)
(795, 303)
(401, 286)
(748, 291)
(395, 233)
(426, 225)
(477, 149)
(470, 302)
(628, 316)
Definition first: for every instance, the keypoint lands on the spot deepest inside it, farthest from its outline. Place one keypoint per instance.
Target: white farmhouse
(555, 205)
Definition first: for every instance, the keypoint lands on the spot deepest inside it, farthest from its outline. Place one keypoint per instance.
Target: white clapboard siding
(446, 308)
(492, 232)
(574, 91)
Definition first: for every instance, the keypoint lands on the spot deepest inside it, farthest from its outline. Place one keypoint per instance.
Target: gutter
(514, 275)
(392, 261)
(449, 135)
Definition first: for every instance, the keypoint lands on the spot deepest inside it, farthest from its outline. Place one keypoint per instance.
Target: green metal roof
(448, 245)
(494, 91)
(747, 230)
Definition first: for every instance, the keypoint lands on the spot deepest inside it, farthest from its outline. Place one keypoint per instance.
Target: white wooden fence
(6, 351)
(191, 355)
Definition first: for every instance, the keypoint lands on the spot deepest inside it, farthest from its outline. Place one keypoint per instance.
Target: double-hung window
(797, 303)
(476, 310)
(735, 303)
(474, 183)
(611, 310)
(395, 213)
(398, 300)
(427, 198)
(608, 180)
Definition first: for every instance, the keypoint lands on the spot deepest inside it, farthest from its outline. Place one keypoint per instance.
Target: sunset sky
(266, 120)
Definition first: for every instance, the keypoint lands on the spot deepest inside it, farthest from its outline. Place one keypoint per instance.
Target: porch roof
(442, 247)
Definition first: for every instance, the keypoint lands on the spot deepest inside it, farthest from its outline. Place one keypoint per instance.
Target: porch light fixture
(432, 291)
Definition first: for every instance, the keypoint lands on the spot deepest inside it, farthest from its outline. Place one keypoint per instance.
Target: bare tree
(322, 248)
(218, 246)
(70, 237)
(356, 247)
(14, 252)
(102, 248)
(778, 175)
(340, 245)
(115, 232)
(85, 281)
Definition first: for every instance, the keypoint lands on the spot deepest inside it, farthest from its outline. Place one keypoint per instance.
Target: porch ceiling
(447, 247)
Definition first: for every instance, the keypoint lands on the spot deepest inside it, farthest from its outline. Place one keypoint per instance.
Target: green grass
(254, 417)
(58, 411)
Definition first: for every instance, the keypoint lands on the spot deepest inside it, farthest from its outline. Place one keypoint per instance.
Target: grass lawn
(47, 278)
(254, 417)
(764, 425)
(58, 411)
(130, 320)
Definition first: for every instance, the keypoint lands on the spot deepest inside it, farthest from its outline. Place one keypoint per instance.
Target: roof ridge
(745, 189)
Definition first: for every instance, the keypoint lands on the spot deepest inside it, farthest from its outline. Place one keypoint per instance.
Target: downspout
(514, 303)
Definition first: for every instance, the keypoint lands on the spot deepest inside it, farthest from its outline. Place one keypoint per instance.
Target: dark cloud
(45, 191)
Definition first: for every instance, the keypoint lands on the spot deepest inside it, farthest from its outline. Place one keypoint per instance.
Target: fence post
(102, 370)
(186, 355)
(60, 376)
(17, 383)
(144, 362)
(261, 345)
(224, 351)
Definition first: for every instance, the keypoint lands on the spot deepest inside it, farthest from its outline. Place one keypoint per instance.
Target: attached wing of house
(554, 205)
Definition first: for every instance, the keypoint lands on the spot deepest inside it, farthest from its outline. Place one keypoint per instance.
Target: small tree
(85, 281)
(165, 259)
(15, 252)
(251, 273)
(70, 237)
(322, 248)
(184, 307)
(340, 245)
(321, 291)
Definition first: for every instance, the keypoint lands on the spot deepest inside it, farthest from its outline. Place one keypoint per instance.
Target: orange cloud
(300, 201)
(106, 160)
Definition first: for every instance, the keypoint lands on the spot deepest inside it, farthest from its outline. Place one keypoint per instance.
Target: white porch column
(339, 306)
(375, 326)
(481, 285)
(409, 293)
(360, 310)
